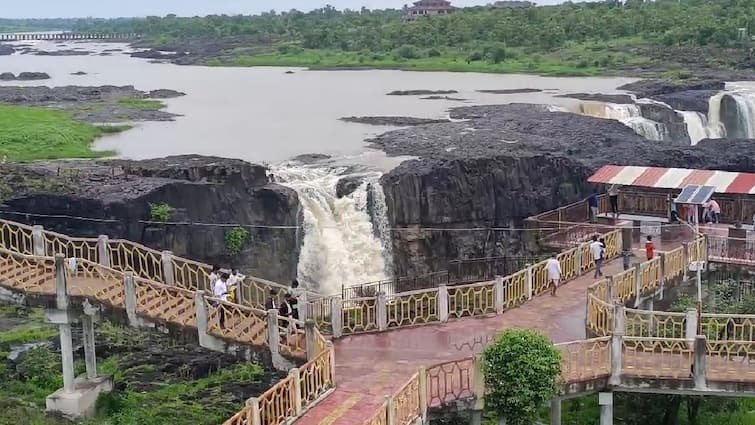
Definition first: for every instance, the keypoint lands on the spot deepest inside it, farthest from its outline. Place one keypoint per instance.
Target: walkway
(370, 366)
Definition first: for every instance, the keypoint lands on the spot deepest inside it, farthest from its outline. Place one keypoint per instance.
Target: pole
(699, 300)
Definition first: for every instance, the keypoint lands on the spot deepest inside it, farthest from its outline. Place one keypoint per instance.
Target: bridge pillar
(685, 261)
(690, 331)
(443, 303)
(699, 368)
(637, 284)
(382, 311)
(423, 390)
(309, 339)
(391, 411)
(605, 400)
(336, 317)
(529, 282)
(617, 346)
(556, 411)
(129, 292)
(103, 254)
(478, 390)
(296, 391)
(499, 295)
(663, 276)
(38, 240)
(611, 290)
(166, 259)
(64, 324)
(254, 405)
(273, 340)
(90, 357)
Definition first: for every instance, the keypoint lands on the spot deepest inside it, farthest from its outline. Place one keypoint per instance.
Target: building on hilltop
(428, 8)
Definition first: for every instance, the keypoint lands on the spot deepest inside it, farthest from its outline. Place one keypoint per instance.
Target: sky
(118, 8)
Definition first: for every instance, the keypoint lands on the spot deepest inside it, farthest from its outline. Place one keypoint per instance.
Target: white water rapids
(745, 103)
(346, 240)
(627, 114)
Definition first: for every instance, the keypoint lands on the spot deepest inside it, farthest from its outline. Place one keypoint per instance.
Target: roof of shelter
(675, 178)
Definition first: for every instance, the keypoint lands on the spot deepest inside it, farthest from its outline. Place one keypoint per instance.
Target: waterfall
(347, 240)
(629, 115)
(699, 127)
(745, 112)
(744, 125)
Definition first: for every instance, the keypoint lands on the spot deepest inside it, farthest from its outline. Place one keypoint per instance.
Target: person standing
(213, 277)
(220, 291)
(649, 248)
(295, 291)
(272, 300)
(554, 273)
(596, 248)
(613, 196)
(593, 202)
(715, 211)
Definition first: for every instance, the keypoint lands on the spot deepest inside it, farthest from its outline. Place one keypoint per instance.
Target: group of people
(613, 199)
(289, 306)
(224, 283)
(553, 266)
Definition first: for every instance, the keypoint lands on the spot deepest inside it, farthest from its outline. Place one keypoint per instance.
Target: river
(265, 115)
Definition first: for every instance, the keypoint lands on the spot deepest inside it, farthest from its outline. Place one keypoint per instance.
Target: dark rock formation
(310, 158)
(79, 73)
(506, 163)
(621, 99)
(673, 121)
(347, 185)
(6, 50)
(732, 119)
(289, 72)
(198, 189)
(509, 91)
(164, 94)
(420, 92)
(7, 76)
(394, 121)
(650, 88)
(156, 54)
(687, 100)
(456, 99)
(62, 53)
(32, 76)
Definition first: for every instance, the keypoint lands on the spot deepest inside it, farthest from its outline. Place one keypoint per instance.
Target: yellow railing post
(254, 411)
(390, 410)
(295, 379)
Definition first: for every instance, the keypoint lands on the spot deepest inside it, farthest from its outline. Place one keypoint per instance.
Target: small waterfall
(347, 240)
(699, 128)
(629, 115)
(741, 125)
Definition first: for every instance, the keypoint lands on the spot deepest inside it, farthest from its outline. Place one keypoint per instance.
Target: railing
(450, 381)
(731, 250)
(585, 360)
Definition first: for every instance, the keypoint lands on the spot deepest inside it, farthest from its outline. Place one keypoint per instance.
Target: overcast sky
(116, 8)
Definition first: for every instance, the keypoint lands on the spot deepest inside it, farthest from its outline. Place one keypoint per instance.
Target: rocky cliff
(118, 195)
(505, 163)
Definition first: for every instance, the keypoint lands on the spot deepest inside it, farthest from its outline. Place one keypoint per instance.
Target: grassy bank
(141, 104)
(37, 133)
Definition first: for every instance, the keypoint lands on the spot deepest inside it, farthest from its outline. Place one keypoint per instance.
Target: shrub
(236, 239)
(521, 370)
(433, 53)
(161, 212)
(408, 51)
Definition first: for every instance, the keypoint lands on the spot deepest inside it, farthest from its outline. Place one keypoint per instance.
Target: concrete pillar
(443, 303)
(129, 292)
(663, 276)
(605, 400)
(332, 350)
(556, 411)
(90, 356)
(66, 343)
(423, 389)
(690, 331)
(617, 345)
(391, 411)
(701, 348)
(296, 390)
(301, 306)
(611, 290)
(637, 284)
(336, 316)
(685, 261)
(38, 240)
(254, 406)
(626, 239)
(382, 311)
(478, 384)
(309, 339)
(499, 295)
(205, 340)
(476, 418)
(578, 261)
(273, 337)
(167, 263)
(530, 289)
(103, 253)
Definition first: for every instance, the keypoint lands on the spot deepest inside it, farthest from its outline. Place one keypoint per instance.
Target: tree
(521, 370)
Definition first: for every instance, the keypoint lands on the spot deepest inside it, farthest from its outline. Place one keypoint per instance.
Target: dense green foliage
(161, 212)
(29, 25)
(582, 38)
(521, 368)
(236, 239)
(36, 133)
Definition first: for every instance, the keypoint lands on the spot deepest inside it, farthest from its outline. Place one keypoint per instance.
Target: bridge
(64, 36)
(391, 359)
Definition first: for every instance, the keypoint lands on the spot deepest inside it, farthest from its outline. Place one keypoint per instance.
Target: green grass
(26, 334)
(28, 134)
(143, 104)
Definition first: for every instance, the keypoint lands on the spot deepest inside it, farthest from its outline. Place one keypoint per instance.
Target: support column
(605, 400)
(391, 411)
(296, 390)
(478, 382)
(685, 261)
(556, 411)
(499, 295)
(423, 388)
(690, 331)
(66, 343)
(663, 276)
(309, 339)
(617, 345)
(103, 254)
(38, 240)
(167, 263)
(637, 284)
(578, 262)
(701, 347)
(90, 356)
(529, 282)
(611, 290)
(443, 303)
(382, 311)
(336, 316)
(273, 337)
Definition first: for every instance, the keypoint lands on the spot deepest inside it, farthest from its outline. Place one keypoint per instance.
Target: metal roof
(675, 178)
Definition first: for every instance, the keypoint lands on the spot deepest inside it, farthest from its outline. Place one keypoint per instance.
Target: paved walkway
(370, 366)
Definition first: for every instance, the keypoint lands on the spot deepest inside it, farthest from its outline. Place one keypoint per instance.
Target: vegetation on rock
(236, 239)
(161, 212)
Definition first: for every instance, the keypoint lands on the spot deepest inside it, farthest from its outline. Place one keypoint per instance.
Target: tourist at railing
(593, 202)
(554, 273)
(295, 293)
(220, 291)
(233, 284)
(649, 248)
(613, 197)
(214, 275)
(272, 301)
(597, 249)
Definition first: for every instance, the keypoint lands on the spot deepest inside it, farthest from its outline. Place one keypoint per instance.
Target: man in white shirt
(596, 248)
(554, 273)
(220, 291)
